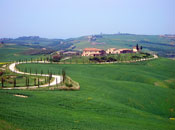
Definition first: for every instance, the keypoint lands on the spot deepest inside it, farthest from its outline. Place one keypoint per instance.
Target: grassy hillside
(161, 45)
(20, 48)
(115, 96)
(13, 52)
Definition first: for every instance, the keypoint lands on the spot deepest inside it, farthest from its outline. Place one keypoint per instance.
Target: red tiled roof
(92, 49)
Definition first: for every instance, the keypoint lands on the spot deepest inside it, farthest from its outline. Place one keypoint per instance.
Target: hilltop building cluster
(101, 52)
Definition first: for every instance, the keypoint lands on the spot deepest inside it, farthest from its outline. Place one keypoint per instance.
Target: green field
(133, 96)
(14, 53)
(153, 43)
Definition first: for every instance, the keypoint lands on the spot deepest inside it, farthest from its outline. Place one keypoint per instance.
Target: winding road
(56, 78)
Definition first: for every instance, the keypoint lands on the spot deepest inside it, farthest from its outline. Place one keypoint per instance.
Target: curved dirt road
(57, 78)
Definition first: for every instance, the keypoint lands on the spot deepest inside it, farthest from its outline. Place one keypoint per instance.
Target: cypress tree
(49, 81)
(141, 47)
(38, 82)
(34, 81)
(28, 84)
(26, 81)
(64, 75)
(25, 70)
(2, 82)
(41, 72)
(45, 80)
(137, 47)
(14, 82)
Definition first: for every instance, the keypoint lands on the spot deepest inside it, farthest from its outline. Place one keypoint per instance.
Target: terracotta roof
(92, 49)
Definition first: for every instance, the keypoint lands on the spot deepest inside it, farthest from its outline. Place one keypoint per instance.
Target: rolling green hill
(163, 46)
(115, 96)
(23, 47)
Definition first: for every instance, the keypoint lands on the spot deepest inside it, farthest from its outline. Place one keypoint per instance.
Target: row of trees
(36, 81)
(28, 82)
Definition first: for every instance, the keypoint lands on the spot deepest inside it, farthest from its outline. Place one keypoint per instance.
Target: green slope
(116, 96)
(154, 43)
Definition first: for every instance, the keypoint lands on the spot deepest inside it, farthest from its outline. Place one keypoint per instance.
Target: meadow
(114, 96)
(10, 53)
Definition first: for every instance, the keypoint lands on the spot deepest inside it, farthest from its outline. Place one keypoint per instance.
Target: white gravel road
(57, 78)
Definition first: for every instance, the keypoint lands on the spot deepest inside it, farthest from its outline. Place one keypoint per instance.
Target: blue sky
(74, 18)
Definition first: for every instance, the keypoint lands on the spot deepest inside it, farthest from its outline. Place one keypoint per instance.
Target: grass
(14, 53)
(154, 43)
(114, 96)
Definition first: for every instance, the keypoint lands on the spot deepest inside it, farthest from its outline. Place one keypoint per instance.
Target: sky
(74, 18)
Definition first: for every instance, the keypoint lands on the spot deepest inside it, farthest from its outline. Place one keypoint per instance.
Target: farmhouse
(124, 50)
(93, 52)
(111, 51)
(134, 49)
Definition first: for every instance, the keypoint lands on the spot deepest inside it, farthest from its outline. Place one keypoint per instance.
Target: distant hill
(163, 45)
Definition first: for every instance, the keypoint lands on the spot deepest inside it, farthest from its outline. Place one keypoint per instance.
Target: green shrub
(69, 85)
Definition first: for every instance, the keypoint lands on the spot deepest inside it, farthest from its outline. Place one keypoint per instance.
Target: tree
(49, 81)
(36, 72)
(141, 47)
(26, 70)
(2, 82)
(47, 59)
(30, 71)
(56, 58)
(38, 82)
(137, 47)
(14, 82)
(26, 81)
(50, 76)
(41, 72)
(64, 75)
(34, 81)
(45, 80)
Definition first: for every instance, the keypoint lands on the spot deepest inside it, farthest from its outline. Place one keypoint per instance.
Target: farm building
(111, 51)
(93, 52)
(124, 50)
(134, 49)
